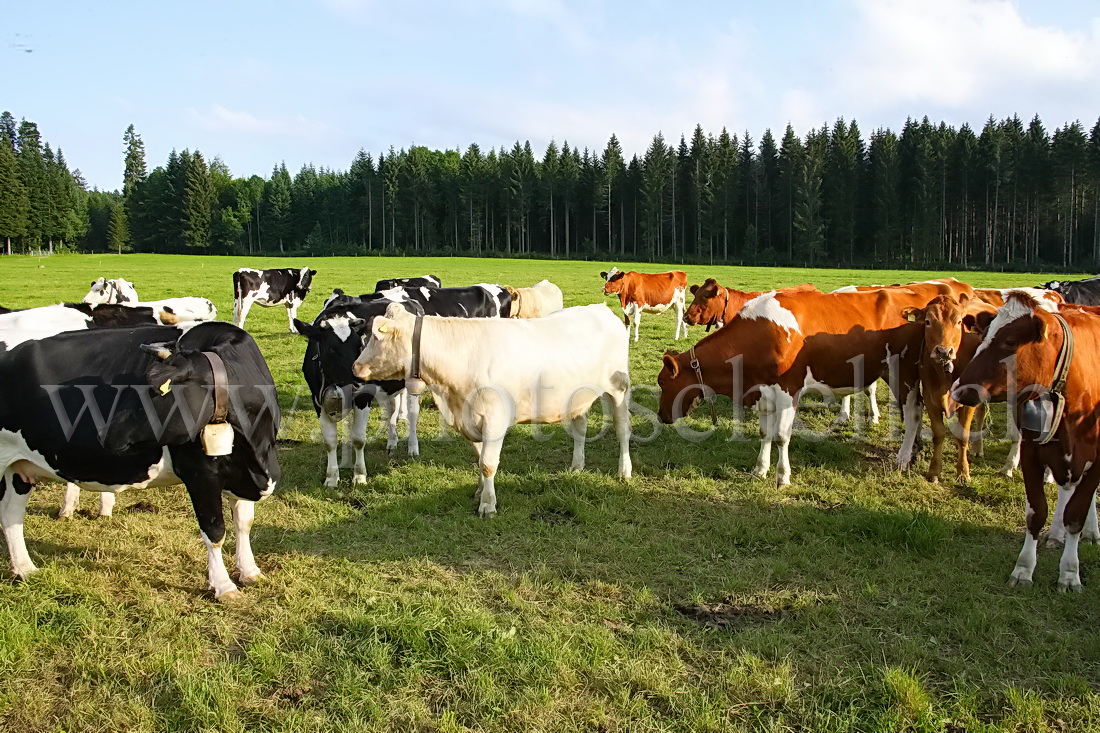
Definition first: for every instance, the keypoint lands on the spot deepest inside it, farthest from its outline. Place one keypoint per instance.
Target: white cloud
(955, 52)
(219, 119)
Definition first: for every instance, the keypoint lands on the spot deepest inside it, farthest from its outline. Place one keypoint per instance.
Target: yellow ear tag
(912, 318)
(383, 328)
(166, 387)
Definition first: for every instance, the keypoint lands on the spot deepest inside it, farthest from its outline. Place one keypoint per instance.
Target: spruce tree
(14, 203)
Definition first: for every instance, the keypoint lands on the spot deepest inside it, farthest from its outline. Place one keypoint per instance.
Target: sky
(314, 81)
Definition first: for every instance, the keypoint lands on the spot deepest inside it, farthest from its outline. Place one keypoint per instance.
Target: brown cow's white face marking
(767, 307)
(1006, 314)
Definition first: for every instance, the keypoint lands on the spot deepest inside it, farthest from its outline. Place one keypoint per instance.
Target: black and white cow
(4, 310)
(37, 323)
(111, 291)
(334, 344)
(128, 407)
(1081, 292)
(335, 340)
(287, 287)
(426, 281)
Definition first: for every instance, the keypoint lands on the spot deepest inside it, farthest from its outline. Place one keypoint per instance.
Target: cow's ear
(312, 272)
(710, 281)
(912, 313)
(306, 329)
(964, 299)
(394, 311)
(161, 351)
(602, 275)
(1041, 330)
(670, 362)
(978, 322)
(693, 288)
(382, 328)
(359, 325)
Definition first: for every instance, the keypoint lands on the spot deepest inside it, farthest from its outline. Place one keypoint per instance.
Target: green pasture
(691, 598)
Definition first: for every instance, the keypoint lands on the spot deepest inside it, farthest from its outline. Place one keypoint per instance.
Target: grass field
(691, 598)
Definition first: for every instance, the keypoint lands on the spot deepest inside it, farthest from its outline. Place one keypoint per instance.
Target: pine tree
(118, 230)
(32, 172)
(198, 202)
(276, 205)
(14, 203)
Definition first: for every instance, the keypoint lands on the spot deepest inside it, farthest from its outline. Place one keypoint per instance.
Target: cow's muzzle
(944, 356)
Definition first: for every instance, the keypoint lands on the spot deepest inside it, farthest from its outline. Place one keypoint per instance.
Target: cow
(647, 293)
(36, 323)
(335, 342)
(487, 375)
(106, 291)
(132, 407)
(996, 296)
(425, 281)
(712, 305)
(780, 346)
(1040, 362)
(285, 286)
(540, 299)
(485, 300)
(1081, 292)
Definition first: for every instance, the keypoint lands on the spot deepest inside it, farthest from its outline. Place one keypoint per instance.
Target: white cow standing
(487, 375)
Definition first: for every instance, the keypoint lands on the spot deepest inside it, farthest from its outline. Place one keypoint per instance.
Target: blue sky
(256, 83)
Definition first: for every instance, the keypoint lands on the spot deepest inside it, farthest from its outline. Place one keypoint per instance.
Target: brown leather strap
(1058, 382)
(710, 398)
(414, 366)
(221, 387)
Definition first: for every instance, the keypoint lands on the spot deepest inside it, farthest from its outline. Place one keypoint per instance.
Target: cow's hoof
(932, 477)
(1006, 472)
(331, 482)
(758, 472)
(247, 580)
(230, 596)
(1015, 582)
(414, 452)
(1070, 586)
(1055, 542)
(359, 478)
(65, 515)
(486, 512)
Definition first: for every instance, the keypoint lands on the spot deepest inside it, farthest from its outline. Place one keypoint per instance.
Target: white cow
(106, 291)
(487, 375)
(539, 300)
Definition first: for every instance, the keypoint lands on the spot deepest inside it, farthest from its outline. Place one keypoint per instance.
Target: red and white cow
(782, 345)
(1035, 359)
(644, 292)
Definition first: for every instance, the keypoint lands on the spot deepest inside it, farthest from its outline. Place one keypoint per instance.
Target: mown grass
(874, 600)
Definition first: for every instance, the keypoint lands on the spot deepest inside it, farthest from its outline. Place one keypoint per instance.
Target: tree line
(1009, 196)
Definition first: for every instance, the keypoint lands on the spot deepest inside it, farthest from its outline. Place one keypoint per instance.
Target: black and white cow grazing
(1081, 292)
(131, 407)
(426, 281)
(287, 287)
(111, 291)
(484, 300)
(334, 344)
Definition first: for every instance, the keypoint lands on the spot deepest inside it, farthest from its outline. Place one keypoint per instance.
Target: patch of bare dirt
(733, 614)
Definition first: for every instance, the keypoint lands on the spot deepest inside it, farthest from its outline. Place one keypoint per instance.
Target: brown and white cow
(644, 292)
(1019, 361)
(782, 345)
(996, 296)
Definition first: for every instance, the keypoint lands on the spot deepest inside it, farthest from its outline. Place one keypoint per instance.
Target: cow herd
(116, 392)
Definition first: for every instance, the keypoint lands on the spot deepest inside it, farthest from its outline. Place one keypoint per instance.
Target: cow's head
(335, 341)
(709, 305)
(1015, 352)
(943, 325)
(680, 389)
(1052, 285)
(305, 279)
(388, 351)
(613, 281)
(104, 292)
(173, 405)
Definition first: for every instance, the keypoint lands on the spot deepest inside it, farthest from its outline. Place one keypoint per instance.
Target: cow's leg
(845, 413)
(1091, 532)
(765, 409)
(70, 502)
(637, 323)
(962, 463)
(329, 435)
(1056, 535)
(872, 400)
(579, 431)
(240, 311)
(1013, 459)
(206, 499)
(292, 313)
(622, 432)
(248, 573)
(360, 418)
(489, 460)
(784, 417)
(679, 305)
(13, 507)
(1036, 515)
(911, 417)
(412, 413)
(107, 503)
(939, 432)
(389, 409)
(1076, 515)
